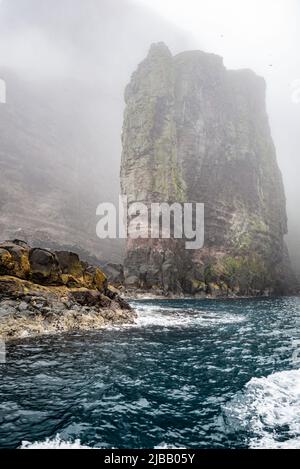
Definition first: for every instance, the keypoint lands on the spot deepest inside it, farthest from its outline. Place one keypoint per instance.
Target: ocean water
(188, 374)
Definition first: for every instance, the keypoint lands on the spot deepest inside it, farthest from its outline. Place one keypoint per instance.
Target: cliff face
(46, 193)
(194, 131)
(60, 128)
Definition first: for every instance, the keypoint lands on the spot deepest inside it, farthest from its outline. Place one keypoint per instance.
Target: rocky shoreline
(44, 292)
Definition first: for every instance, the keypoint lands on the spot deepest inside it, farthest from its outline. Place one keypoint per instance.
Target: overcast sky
(263, 35)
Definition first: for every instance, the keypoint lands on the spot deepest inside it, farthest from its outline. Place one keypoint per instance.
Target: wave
(55, 443)
(58, 443)
(268, 410)
(170, 317)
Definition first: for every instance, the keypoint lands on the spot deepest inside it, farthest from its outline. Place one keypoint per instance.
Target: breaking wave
(159, 316)
(268, 410)
(58, 443)
(55, 443)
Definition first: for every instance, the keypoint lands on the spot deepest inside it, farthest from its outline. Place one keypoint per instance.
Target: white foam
(58, 443)
(178, 317)
(269, 409)
(55, 443)
(167, 446)
(169, 317)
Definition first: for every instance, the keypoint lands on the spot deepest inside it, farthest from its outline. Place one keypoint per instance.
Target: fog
(264, 36)
(66, 64)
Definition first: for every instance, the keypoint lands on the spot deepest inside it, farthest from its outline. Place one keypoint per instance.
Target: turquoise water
(189, 374)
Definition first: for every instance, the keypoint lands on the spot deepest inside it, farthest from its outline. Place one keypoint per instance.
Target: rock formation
(45, 292)
(197, 132)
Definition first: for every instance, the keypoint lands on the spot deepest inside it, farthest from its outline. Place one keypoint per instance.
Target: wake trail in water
(58, 443)
(55, 443)
(268, 409)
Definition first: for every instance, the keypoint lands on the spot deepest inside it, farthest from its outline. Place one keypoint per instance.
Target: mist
(66, 64)
(264, 37)
(66, 69)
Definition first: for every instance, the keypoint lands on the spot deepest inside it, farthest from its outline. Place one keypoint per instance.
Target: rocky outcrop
(45, 292)
(196, 132)
(115, 274)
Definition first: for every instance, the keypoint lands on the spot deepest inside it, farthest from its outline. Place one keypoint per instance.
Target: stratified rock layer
(196, 132)
(45, 292)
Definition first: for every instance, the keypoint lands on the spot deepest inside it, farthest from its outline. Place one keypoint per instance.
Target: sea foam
(55, 443)
(168, 317)
(58, 443)
(268, 409)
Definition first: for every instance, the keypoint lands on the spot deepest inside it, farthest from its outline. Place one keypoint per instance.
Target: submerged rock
(46, 292)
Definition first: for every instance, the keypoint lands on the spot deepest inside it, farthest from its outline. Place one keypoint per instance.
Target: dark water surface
(191, 374)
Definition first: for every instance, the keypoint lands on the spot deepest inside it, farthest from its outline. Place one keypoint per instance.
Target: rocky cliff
(197, 132)
(60, 127)
(44, 292)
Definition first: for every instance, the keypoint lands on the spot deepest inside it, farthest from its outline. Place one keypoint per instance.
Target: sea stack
(197, 132)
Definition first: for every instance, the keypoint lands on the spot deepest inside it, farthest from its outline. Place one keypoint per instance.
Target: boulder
(17, 262)
(90, 298)
(6, 262)
(44, 267)
(70, 263)
(115, 273)
(94, 278)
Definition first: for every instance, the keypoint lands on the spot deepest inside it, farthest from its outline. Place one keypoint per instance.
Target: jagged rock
(49, 268)
(95, 278)
(21, 243)
(44, 267)
(70, 263)
(6, 262)
(35, 297)
(23, 306)
(197, 132)
(90, 298)
(18, 260)
(115, 273)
